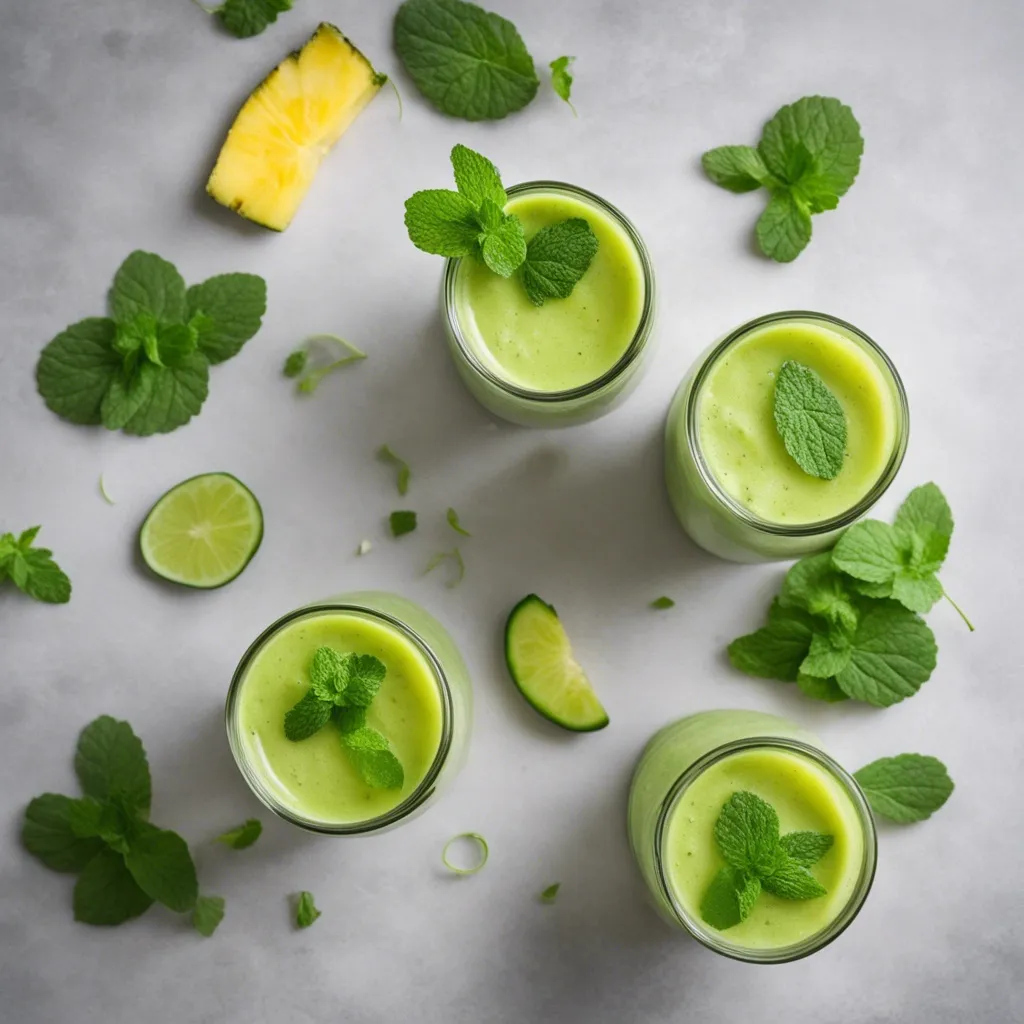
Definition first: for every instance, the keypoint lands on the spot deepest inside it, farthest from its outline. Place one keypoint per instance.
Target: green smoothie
(566, 343)
(314, 778)
(742, 446)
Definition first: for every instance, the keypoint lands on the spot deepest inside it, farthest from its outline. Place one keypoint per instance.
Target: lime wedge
(540, 661)
(203, 532)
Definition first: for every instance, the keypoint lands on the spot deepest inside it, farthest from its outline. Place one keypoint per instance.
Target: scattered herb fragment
(810, 421)
(305, 910)
(403, 473)
(104, 493)
(364, 547)
(808, 157)
(662, 603)
(453, 521)
(246, 18)
(905, 788)
(466, 61)
(328, 352)
(207, 914)
(455, 558)
(295, 363)
(550, 894)
(483, 852)
(561, 79)
(32, 570)
(402, 522)
(242, 836)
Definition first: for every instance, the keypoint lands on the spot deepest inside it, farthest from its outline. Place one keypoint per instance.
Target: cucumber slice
(203, 532)
(540, 661)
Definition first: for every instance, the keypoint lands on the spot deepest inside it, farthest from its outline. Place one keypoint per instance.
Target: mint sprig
(341, 688)
(757, 858)
(145, 369)
(32, 570)
(810, 421)
(124, 864)
(808, 158)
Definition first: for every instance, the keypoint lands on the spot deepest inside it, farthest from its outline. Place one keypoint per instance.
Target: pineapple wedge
(288, 125)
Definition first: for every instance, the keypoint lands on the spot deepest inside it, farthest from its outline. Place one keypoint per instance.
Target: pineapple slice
(288, 125)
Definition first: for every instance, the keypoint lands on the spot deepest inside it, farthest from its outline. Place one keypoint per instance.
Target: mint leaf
(729, 898)
(550, 894)
(778, 650)
(106, 893)
(556, 258)
(869, 551)
(790, 881)
(737, 168)
(662, 603)
(815, 586)
(453, 521)
(784, 229)
(364, 675)
(403, 473)
(466, 61)
(747, 833)
(48, 835)
(228, 309)
(312, 380)
(349, 719)
(810, 421)
(110, 762)
(442, 222)
(113, 821)
(328, 674)
(402, 522)
(296, 363)
(161, 865)
(207, 914)
(503, 246)
(241, 837)
(829, 654)
(477, 178)
(246, 18)
(33, 570)
(905, 788)
(128, 392)
(75, 370)
(176, 396)
(305, 910)
(308, 717)
(145, 283)
(370, 753)
(919, 595)
(924, 526)
(807, 848)
(561, 79)
(820, 689)
(893, 653)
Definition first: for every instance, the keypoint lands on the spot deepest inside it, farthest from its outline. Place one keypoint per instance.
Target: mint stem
(398, 96)
(959, 610)
(203, 7)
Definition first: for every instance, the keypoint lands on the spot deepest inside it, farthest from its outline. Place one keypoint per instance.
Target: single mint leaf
(242, 836)
(810, 421)
(814, 585)
(128, 393)
(919, 595)
(504, 247)
(489, 215)
(328, 673)
(905, 788)
(305, 910)
(308, 717)
(820, 689)
(561, 79)
(111, 762)
(778, 650)
(177, 395)
(246, 18)
(784, 229)
(826, 129)
(161, 864)
(365, 673)
(477, 178)
(893, 654)
(868, 551)
(557, 257)
(550, 894)
(76, 369)
(453, 521)
(747, 833)
(207, 914)
(296, 363)
(47, 834)
(873, 590)
(662, 603)
(924, 526)
(790, 881)
(35, 573)
(175, 343)
(145, 283)
(729, 898)
(466, 61)
(737, 168)
(402, 522)
(828, 656)
(227, 311)
(442, 222)
(807, 848)
(402, 471)
(106, 893)
(373, 759)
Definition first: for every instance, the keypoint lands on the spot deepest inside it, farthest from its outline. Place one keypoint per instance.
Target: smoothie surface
(741, 444)
(566, 343)
(805, 796)
(314, 777)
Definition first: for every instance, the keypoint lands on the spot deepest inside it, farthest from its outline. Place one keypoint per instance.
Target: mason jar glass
(535, 406)
(712, 515)
(427, 701)
(668, 834)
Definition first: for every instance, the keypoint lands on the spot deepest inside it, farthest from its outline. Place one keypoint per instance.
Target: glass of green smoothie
(735, 488)
(423, 708)
(571, 359)
(687, 773)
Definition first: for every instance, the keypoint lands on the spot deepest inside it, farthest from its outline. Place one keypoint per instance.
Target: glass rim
(640, 336)
(830, 932)
(821, 526)
(423, 791)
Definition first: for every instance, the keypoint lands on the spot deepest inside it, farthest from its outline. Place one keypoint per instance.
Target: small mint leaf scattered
(905, 788)
(402, 471)
(295, 363)
(810, 421)
(402, 522)
(662, 603)
(561, 80)
(242, 836)
(550, 894)
(453, 521)
(305, 910)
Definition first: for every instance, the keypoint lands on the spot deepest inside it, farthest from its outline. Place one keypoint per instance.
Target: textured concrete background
(110, 115)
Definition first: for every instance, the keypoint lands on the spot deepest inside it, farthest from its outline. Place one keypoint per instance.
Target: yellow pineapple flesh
(288, 125)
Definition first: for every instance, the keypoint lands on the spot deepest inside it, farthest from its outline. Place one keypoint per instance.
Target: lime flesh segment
(542, 665)
(203, 532)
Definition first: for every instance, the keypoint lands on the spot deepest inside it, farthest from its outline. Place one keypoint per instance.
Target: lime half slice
(203, 532)
(540, 660)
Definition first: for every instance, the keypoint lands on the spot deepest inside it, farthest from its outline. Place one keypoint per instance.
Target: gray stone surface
(110, 114)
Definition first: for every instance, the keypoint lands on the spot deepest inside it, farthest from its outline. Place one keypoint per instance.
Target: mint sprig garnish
(808, 158)
(905, 788)
(472, 222)
(466, 61)
(124, 864)
(810, 420)
(561, 80)
(341, 688)
(32, 570)
(145, 369)
(758, 858)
